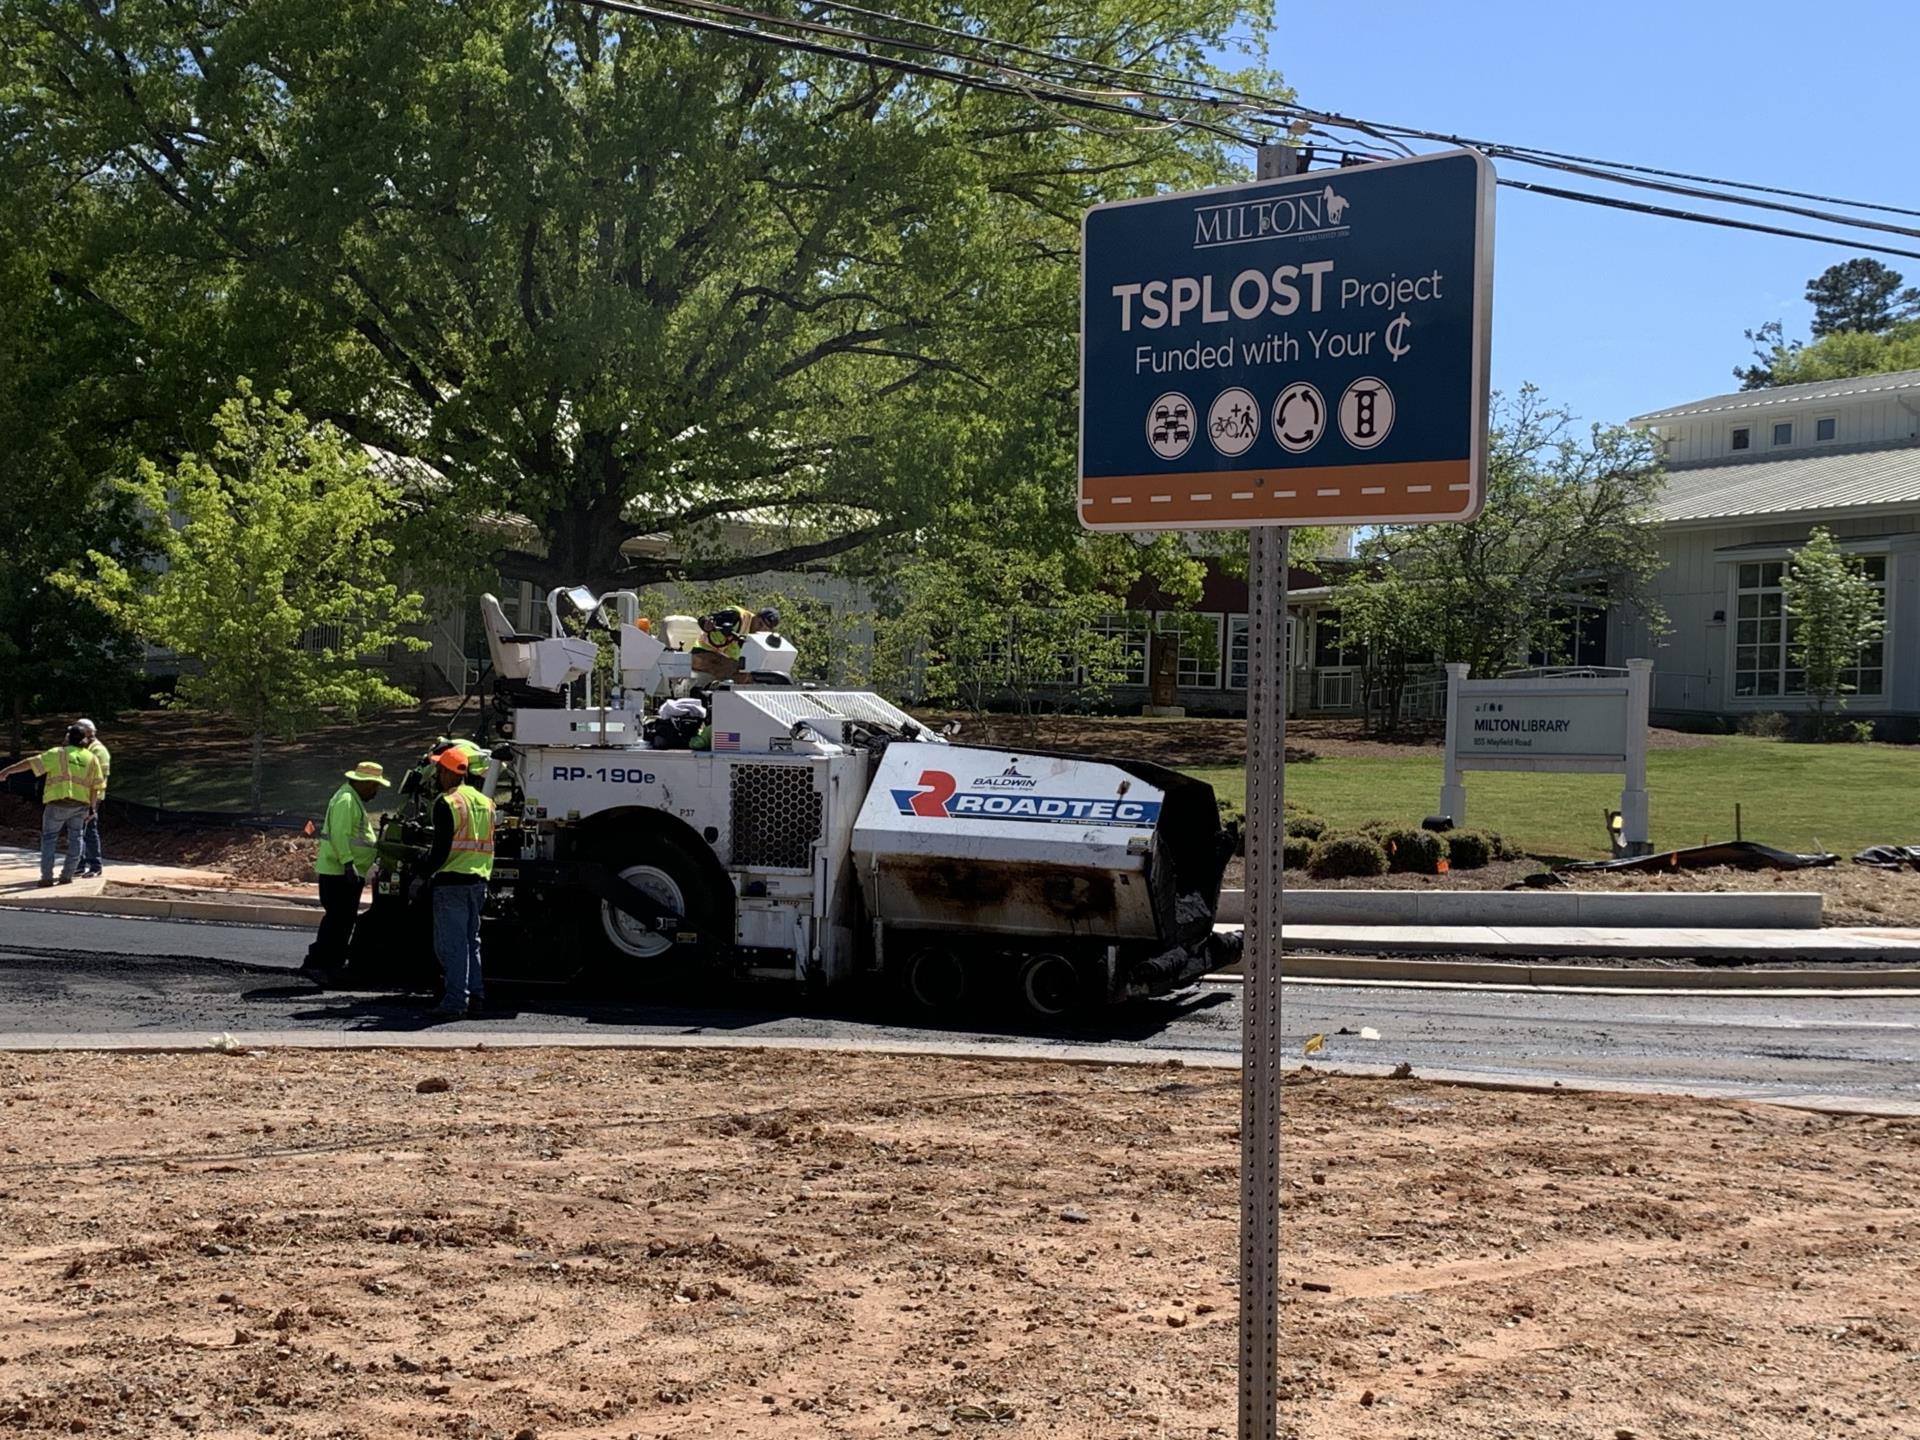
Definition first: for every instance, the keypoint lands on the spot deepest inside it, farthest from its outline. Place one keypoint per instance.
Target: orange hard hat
(452, 759)
(644, 624)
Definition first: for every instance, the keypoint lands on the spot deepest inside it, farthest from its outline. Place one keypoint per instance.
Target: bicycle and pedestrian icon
(1233, 421)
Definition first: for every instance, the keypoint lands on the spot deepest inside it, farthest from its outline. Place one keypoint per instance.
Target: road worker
(461, 863)
(716, 655)
(90, 839)
(73, 788)
(345, 860)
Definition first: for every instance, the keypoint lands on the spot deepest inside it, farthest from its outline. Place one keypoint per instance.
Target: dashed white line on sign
(1160, 499)
(1373, 489)
(1334, 491)
(1243, 495)
(1201, 495)
(1419, 489)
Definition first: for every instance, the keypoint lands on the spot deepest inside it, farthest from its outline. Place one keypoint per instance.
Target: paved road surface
(71, 975)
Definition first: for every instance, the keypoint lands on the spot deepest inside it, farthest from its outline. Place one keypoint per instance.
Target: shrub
(1857, 731)
(1471, 849)
(1502, 850)
(1767, 725)
(1417, 852)
(1308, 827)
(1376, 827)
(1296, 852)
(1340, 857)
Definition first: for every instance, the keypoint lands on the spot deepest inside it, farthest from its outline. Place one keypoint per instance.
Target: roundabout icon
(1299, 417)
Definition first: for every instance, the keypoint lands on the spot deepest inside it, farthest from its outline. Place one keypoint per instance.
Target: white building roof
(1832, 480)
(1782, 395)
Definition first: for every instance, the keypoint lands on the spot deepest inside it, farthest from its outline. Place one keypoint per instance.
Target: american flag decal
(726, 739)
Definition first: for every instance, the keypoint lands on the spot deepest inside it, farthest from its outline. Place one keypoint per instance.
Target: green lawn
(1798, 797)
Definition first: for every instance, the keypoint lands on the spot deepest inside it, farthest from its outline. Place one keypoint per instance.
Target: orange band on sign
(1427, 490)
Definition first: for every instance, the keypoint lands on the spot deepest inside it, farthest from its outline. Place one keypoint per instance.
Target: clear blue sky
(1615, 314)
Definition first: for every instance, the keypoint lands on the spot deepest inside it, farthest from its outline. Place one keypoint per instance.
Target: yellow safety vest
(105, 757)
(472, 852)
(73, 775)
(718, 641)
(347, 837)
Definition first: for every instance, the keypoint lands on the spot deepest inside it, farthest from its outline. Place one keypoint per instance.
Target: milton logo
(938, 797)
(1293, 216)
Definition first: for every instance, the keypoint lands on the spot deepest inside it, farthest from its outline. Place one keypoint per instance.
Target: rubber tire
(935, 982)
(1048, 987)
(614, 969)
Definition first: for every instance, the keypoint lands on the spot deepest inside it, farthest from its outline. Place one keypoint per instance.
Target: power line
(1614, 203)
(1024, 81)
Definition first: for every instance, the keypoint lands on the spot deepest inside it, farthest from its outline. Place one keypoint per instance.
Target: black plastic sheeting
(1890, 857)
(1735, 854)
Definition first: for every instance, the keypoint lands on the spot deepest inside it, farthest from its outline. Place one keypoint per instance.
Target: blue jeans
(90, 843)
(456, 940)
(63, 815)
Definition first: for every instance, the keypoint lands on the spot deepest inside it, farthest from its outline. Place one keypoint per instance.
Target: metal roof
(1827, 481)
(1783, 395)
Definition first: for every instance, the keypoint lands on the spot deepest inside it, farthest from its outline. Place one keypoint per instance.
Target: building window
(1237, 648)
(1130, 628)
(1328, 651)
(1763, 635)
(1742, 438)
(1199, 648)
(1826, 428)
(1783, 433)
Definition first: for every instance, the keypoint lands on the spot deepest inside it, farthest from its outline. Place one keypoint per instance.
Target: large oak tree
(615, 277)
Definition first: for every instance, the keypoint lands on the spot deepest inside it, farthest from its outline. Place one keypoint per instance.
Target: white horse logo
(1336, 205)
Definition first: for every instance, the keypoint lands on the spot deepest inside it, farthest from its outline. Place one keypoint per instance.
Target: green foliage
(275, 579)
(1311, 827)
(1296, 852)
(1341, 857)
(1565, 518)
(1864, 323)
(616, 276)
(1833, 612)
(1469, 849)
(1860, 295)
(1390, 617)
(71, 397)
(980, 621)
(1414, 851)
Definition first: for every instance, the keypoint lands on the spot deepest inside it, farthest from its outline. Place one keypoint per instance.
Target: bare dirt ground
(690, 1244)
(247, 854)
(1856, 895)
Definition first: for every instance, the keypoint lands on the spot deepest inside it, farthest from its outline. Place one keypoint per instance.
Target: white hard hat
(86, 725)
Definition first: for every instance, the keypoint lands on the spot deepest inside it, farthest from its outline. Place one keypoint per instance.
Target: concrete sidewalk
(1529, 942)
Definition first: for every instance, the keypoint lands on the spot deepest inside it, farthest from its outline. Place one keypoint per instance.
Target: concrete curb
(140, 907)
(1677, 910)
(1495, 975)
(448, 1038)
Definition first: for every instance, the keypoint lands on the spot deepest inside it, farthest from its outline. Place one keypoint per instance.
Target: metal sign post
(1267, 665)
(1301, 350)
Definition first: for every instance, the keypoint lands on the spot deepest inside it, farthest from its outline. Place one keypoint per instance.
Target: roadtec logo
(938, 798)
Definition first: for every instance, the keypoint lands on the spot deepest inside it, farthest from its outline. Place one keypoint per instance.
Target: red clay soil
(246, 854)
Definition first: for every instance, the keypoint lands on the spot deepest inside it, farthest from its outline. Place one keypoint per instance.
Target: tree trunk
(259, 764)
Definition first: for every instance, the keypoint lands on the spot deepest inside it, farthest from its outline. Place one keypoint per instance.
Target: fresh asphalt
(65, 976)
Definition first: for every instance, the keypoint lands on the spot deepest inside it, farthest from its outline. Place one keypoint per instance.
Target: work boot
(46, 882)
(65, 880)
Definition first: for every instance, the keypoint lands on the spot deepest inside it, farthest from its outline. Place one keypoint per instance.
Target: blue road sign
(1304, 351)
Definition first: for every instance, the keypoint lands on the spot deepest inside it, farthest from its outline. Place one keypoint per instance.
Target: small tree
(1833, 611)
(276, 573)
(1390, 617)
(983, 624)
